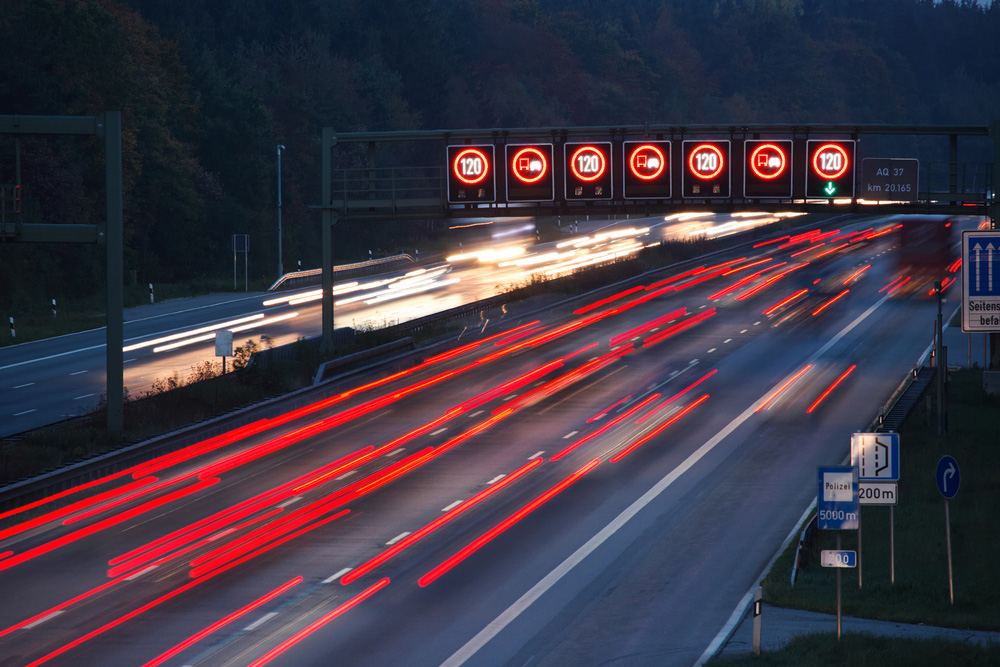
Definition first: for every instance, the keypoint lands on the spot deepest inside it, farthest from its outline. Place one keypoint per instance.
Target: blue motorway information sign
(981, 281)
(837, 498)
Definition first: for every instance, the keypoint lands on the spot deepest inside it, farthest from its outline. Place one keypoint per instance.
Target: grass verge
(864, 650)
(920, 592)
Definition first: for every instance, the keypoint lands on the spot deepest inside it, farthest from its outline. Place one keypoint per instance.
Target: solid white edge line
(741, 608)
(471, 647)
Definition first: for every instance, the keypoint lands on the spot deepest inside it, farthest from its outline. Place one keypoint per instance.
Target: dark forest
(208, 88)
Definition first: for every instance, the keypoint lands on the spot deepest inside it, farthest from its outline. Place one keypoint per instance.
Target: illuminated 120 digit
(588, 163)
(706, 161)
(471, 166)
(830, 161)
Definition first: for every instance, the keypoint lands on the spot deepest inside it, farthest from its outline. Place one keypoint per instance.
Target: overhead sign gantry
(652, 169)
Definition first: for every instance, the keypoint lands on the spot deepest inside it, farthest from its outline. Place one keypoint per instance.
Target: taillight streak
(121, 517)
(896, 287)
(770, 281)
(830, 302)
(890, 285)
(69, 509)
(830, 389)
(230, 515)
(317, 624)
(504, 525)
(777, 392)
(677, 395)
(857, 273)
(608, 409)
(611, 424)
(243, 611)
(370, 565)
(610, 299)
(656, 431)
(785, 301)
(677, 328)
(652, 324)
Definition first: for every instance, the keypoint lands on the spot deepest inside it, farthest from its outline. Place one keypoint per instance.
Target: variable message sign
(471, 176)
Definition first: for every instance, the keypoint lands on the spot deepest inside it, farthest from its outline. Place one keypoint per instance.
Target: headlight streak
(319, 623)
(371, 564)
(659, 429)
(221, 326)
(237, 329)
(486, 537)
(830, 389)
(777, 392)
(239, 613)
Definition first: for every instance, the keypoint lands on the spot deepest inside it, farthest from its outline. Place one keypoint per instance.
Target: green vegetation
(920, 592)
(863, 650)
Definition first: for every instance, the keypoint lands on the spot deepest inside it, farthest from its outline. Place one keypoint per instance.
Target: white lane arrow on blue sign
(982, 252)
(948, 476)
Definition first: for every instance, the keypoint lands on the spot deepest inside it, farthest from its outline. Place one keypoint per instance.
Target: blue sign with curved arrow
(947, 476)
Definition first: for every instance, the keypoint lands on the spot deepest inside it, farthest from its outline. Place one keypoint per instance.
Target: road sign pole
(947, 541)
(859, 548)
(838, 590)
(757, 606)
(892, 544)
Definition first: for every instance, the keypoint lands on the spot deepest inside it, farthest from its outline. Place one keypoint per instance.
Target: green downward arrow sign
(830, 188)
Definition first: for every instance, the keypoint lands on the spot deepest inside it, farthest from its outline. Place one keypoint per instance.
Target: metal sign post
(877, 457)
(241, 243)
(837, 509)
(948, 478)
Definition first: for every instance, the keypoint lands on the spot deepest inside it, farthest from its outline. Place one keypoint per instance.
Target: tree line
(209, 88)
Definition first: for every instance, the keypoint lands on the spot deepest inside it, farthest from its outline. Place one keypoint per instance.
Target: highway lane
(725, 513)
(45, 381)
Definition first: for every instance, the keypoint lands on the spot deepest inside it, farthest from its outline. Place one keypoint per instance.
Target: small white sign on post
(223, 343)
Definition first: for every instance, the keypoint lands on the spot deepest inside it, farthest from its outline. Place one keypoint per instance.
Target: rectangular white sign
(878, 493)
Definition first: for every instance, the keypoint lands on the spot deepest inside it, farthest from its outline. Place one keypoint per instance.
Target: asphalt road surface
(45, 381)
(595, 488)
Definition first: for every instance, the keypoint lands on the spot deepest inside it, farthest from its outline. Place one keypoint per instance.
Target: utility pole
(280, 268)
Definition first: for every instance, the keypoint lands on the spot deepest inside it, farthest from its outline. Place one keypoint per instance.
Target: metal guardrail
(310, 276)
